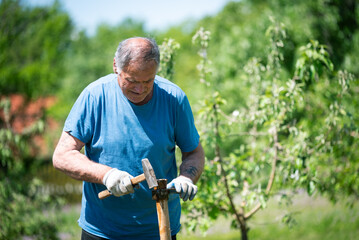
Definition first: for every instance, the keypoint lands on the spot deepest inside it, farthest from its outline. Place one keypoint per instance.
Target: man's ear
(114, 66)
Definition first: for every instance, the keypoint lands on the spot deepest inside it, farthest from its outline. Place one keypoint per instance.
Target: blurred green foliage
(168, 48)
(24, 211)
(277, 113)
(293, 133)
(33, 46)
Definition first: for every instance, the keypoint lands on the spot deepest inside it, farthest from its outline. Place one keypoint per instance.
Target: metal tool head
(149, 173)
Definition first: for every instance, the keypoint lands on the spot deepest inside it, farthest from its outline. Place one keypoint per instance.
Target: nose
(139, 88)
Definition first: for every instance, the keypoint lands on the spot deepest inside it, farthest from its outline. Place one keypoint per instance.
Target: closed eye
(130, 80)
(148, 81)
(134, 81)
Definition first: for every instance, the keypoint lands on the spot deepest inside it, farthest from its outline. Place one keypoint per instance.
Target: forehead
(140, 71)
(136, 67)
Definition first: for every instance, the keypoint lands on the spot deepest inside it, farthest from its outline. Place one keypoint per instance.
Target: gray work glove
(118, 182)
(184, 186)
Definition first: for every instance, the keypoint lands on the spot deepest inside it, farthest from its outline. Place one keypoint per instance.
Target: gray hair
(126, 52)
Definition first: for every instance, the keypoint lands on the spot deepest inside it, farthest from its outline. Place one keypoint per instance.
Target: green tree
(33, 43)
(168, 49)
(294, 125)
(24, 211)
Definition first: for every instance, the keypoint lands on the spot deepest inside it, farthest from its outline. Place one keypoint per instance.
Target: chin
(136, 100)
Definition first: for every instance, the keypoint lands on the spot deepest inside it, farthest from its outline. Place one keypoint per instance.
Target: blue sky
(156, 14)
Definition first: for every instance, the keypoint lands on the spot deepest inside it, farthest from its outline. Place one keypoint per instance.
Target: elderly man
(120, 119)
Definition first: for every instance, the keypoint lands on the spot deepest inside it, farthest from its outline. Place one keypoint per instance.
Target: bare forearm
(68, 159)
(193, 164)
(78, 166)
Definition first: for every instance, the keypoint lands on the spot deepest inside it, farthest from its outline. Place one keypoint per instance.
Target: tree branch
(239, 216)
(271, 176)
(255, 134)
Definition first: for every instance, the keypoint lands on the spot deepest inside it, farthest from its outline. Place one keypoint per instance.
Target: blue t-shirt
(120, 134)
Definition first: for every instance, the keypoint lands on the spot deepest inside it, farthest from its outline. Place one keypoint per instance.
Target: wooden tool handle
(162, 211)
(163, 219)
(136, 180)
(104, 194)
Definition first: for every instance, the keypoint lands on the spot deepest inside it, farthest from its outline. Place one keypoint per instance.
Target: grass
(67, 219)
(315, 218)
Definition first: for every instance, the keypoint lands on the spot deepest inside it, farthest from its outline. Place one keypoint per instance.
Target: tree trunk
(244, 232)
(239, 214)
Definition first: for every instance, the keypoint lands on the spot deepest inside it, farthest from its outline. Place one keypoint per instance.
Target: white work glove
(184, 186)
(118, 182)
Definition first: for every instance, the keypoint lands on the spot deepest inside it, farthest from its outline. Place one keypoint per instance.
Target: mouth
(137, 97)
(138, 94)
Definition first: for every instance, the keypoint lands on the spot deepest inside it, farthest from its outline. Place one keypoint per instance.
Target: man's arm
(193, 163)
(68, 159)
(190, 171)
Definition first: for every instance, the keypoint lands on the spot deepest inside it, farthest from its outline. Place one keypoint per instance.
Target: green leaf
(311, 188)
(262, 201)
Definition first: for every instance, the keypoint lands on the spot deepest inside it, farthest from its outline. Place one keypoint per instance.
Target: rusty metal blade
(149, 173)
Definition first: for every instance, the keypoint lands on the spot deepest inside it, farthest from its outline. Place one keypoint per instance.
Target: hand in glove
(184, 186)
(118, 182)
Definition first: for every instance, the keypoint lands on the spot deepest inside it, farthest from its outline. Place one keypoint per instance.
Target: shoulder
(169, 88)
(101, 83)
(101, 86)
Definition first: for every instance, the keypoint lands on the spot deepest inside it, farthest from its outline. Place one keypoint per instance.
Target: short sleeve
(186, 135)
(81, 119)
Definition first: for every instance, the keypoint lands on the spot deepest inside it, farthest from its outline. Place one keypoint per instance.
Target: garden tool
(160, 194)
(148, 175)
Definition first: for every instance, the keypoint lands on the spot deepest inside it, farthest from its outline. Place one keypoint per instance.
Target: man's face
(136, 81)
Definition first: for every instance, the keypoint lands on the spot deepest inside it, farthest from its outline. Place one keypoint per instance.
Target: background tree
(23, 211)
(238, 34)
(168, 48)
(282, 128)
(33, 44)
